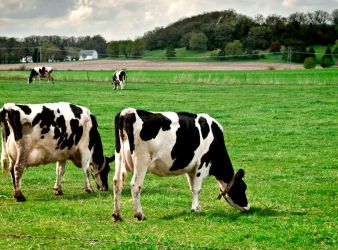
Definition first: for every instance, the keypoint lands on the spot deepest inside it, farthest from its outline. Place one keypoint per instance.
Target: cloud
(288, 3)
(122, 19)
(82, 11)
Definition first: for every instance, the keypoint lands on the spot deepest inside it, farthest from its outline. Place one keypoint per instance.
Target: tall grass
(287, 77)
(283, 134)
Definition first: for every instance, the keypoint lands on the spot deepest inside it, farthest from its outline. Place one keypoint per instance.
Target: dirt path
(144, 65)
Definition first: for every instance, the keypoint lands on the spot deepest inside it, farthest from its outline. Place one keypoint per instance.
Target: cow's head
(101, 178)
(236, 196)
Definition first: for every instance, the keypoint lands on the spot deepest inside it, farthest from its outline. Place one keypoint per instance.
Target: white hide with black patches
(41, 72)
(119, 79)
(170, 144)
(38, 134)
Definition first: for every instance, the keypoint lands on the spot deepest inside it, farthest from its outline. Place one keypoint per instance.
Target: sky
(128, 19)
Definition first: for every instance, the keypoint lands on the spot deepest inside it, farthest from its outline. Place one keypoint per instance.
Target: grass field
(280, 126)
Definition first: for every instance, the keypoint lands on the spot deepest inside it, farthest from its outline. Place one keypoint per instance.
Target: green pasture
(280, 126)
(318, 76)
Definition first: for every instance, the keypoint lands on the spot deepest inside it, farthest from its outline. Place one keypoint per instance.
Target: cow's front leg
(195, 183)
(122, 85)
(60, 171)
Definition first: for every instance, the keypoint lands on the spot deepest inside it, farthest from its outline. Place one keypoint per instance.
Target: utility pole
(39, 54)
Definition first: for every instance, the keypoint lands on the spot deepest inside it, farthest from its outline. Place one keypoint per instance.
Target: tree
(234, 49)
(223, 33)
(137, 48)
(171, 52)
(327, 59)
(198, 41)
(334, 17)
(113, 49)
(259, 37)
(312, 53)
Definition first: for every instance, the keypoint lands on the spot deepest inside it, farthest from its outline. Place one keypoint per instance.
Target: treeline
(226, 34)
(216, 29)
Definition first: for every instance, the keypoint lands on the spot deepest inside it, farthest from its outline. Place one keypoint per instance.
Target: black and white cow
(38, 134)
(169, 144)
(41, 72)
(119, 79)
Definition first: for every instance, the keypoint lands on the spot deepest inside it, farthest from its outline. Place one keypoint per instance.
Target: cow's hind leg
(60, 171)
(85, 170)
(195, 183)
(118, 187)
(140, 170)
(17, 174)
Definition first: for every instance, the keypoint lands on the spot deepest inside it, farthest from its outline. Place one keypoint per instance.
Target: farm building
(88, 55)
(26, 59)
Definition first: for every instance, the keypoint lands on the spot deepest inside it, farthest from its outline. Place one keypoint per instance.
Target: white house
(26, 59)
(88, 55)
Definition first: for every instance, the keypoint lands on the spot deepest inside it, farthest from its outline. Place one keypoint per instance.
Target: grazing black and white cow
(41, 72)
(119, 79)
(37, 134)
(169, 144)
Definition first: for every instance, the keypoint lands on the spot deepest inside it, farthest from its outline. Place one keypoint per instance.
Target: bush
(309, 63)
(327, 59)
(326, 62)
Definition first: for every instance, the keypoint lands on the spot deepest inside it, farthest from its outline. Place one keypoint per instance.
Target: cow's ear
(240, 174)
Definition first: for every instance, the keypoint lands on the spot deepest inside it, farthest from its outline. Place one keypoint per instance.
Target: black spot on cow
(187, 141)
(128, 124)
(152, 123)
(60, 130)
(77, 131)
(198, 174)
(6, 131)
(58, 110)
(77, 111)
(42, 71)
(15, 123)
(217, 155)
(26, 109)
(96, 144)
(46, 119)
(42, 137)
(204, 127)
(118, 128)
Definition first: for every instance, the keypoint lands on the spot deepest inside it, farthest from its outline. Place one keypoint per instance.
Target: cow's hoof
(195, 210)
(117, 217)
(89, 191)
(140, 216)
(20, 198)
(58, 192)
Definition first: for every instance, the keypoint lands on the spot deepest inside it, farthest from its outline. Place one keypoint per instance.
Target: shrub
(309, 63)
(326, 62)
(327, 59)
(171, 52)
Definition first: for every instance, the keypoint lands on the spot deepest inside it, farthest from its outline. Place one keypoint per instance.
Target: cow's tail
(4, 136)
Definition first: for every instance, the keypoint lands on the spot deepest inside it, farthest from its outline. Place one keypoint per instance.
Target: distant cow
(41, 72)
(119, 79)
(169, 144)
(38, 134)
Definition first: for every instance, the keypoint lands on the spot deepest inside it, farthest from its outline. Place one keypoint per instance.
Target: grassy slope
(284, 136)
(189, 55)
